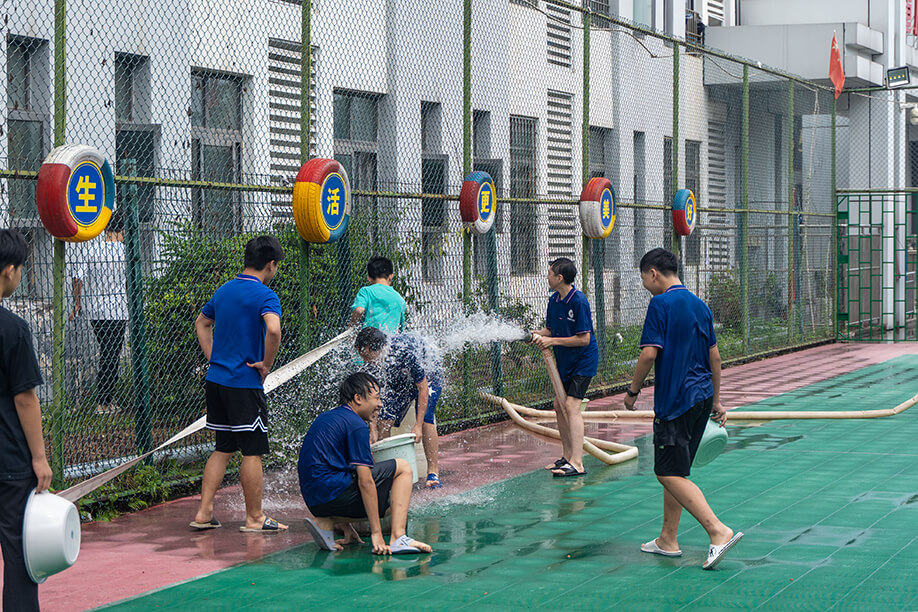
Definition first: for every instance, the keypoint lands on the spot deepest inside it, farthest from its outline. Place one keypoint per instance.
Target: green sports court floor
(829, 509)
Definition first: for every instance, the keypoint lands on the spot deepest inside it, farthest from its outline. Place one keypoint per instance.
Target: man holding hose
(569, 329)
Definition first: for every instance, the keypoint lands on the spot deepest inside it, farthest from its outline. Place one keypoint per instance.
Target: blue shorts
(396, 407)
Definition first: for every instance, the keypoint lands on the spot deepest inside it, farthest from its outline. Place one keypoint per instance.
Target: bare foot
(556, 464)
(722, 538)
(350, 535)
(421, 546)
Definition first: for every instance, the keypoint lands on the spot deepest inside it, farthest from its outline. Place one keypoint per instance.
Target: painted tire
(478, 202)
(321, 201)
(597, 208)
(75, 193)
(685, 212)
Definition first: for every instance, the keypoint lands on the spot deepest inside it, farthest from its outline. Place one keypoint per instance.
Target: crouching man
(339, 480)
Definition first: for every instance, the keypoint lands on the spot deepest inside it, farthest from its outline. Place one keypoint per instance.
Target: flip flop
(716, 553)
(567, 470)
(402, 546)
(433, 481)
(269, 526)
(652, 548)
(211, 524)
(559, 463)
(324, 538)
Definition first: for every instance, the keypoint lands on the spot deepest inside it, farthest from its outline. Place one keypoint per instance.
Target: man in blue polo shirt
(239, 332)
(338, 478)
(569, 329)
(679, 342)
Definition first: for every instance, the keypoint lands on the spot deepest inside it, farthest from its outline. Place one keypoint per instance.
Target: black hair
(358, 383)
(379, 267)
(662, 260)
(566, 268)
(262, 250)
(116, 223)
(370, 338)
(13, 248)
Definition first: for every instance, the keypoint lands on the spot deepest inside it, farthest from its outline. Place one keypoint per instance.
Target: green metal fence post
(791, 261)
(60, 252)
(743, 220)
(497, 369)
(466, 169)
(596, 246)
(137, 319)
(303, 251)
(676, 239)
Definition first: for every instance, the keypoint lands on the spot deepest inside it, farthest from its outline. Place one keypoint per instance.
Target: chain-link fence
(207, 109)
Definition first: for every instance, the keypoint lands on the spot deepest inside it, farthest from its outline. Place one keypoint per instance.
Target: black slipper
(567, 470)
(559, 463)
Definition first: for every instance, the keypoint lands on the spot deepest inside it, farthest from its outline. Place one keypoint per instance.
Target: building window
(643, 12)
(27, 103)
(132, 88)
(523, 249)
(599, 8)
(693, 181)
(216, 149)
(599, 141)
(355, 132)
(356, 116)
(433, 216)
(640, 228)
(433, 181)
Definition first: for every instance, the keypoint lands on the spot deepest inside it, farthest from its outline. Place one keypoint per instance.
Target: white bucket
(50, 535)
(397, 447)
(712, 443)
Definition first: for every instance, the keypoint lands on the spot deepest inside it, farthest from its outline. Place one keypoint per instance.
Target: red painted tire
(478, 202)
(685, 212)
(597, 208)
(321, 200)
(75, 193)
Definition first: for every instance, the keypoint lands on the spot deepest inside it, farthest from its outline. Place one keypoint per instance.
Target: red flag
(836, 72)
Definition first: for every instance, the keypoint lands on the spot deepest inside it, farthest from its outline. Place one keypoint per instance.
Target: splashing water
(479, 328)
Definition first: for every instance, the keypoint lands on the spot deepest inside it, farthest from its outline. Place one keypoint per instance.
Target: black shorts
(576, 386)
(240, 418)
(676, 442)
(349, 503)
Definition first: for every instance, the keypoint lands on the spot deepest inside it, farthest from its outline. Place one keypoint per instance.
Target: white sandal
(716, 553)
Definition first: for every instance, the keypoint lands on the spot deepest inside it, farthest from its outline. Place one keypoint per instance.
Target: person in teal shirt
(378, 304)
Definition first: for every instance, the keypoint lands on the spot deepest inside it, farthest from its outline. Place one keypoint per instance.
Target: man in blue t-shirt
(411, 372)
(339, 479)
(679, 341)
(569, 329)
(239, 332)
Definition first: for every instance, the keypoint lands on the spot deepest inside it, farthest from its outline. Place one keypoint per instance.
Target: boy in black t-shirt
(23, 465)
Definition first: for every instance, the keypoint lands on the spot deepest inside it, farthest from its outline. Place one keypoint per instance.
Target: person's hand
(417, 431)
(379, 545)
(719, 414)
(43, 473)
(629, 402)
(263, 370)
(543, 342)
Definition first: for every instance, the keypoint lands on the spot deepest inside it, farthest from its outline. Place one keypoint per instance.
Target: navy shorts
(349, 503)
(396, 408)
(675, 442)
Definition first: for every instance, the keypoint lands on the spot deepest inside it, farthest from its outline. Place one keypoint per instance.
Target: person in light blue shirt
(678, 340)
(378, 304)
(239, 332)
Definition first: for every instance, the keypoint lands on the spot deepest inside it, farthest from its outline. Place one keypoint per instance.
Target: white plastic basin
(712, 443)
(397, 447)
(50, 535)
